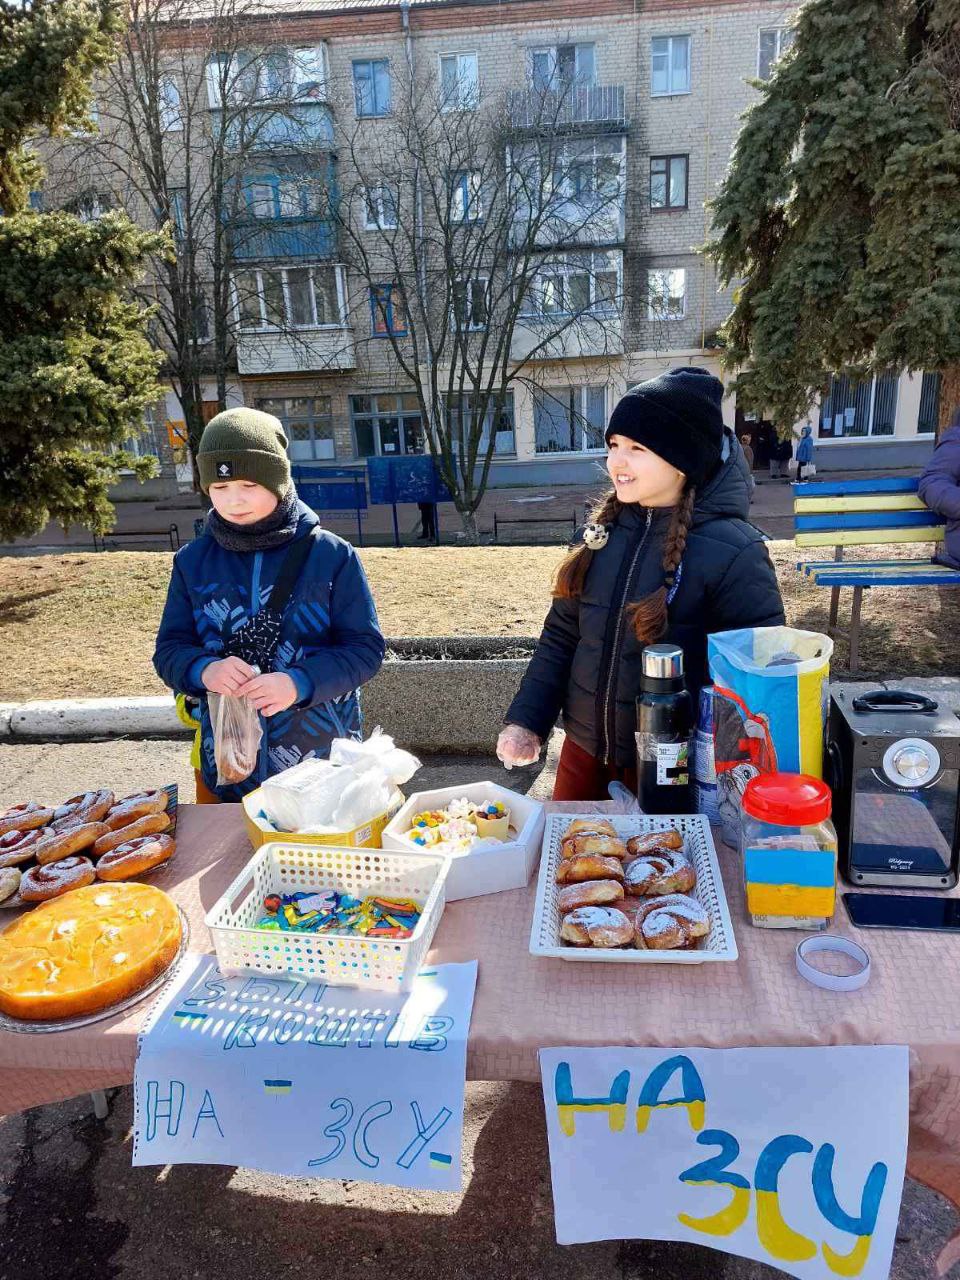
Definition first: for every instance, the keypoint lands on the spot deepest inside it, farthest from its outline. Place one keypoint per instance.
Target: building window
(666, 293)
(668, 182)
(499, 421)
(575, 284)
(308, 422)
(201, 318)
(470, 304)
(466, 197)
(90, 207)
(145, 443)
(670, 71)
(459, 82)
(562, 66)
(371, 87)
(929, 418)
(301, 297)
(852, 409)
(274, 196)
(594, 170)
(389, 316)
(773, 44)
(569, 419)
(380, 208)
(279, 75)
(168, 104)
(387, 425)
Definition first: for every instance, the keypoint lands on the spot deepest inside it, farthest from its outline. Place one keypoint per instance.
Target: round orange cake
(86, 950)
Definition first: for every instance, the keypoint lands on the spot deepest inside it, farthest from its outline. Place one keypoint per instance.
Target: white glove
(518, 746)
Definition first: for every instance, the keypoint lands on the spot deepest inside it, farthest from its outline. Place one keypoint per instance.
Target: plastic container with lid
(789, 850)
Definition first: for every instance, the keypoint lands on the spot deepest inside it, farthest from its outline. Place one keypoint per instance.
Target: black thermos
(664, 733)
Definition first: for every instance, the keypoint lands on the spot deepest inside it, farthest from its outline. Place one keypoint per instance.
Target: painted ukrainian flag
(791, 698)
(440, 1161)
(790, 882)
(277, 1086)
(187, 1017)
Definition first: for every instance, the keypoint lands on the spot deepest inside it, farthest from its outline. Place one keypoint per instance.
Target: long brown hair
(648, 616)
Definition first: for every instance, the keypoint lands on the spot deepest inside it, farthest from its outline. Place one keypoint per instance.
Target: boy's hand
(270, 693)
(228, 675)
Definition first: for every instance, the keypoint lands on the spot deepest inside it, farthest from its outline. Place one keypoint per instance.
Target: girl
(668, 556)
(265, 586)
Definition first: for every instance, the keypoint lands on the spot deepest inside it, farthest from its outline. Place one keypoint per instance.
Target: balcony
(266, 239)
(587, 337)
(571, 224)
(320, 350)
(576, 108)
(303, 126)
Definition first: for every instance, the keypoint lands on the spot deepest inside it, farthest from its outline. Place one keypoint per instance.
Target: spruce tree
(839, 218)
(76, 369)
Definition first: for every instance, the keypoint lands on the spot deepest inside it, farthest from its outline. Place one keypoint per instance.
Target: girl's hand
(270, 693)
(228, 675)
(518, 746)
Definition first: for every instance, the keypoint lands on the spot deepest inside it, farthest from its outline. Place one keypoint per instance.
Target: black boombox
(893, 762)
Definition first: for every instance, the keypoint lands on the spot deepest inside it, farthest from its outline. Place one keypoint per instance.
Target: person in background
(428, 520)
(804, 451)
(781, 451)
(940, 489)
(747, 450)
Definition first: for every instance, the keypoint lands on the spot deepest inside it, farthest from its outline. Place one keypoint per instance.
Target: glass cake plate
(85, 1019)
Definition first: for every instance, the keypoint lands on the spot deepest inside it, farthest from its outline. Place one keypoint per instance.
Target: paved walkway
(72, 1207)
(554, 509)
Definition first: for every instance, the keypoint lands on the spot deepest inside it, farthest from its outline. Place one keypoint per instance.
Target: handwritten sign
(297, 1078)
(793, 1157)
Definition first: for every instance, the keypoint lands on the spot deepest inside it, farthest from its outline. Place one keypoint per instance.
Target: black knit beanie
(676, 416)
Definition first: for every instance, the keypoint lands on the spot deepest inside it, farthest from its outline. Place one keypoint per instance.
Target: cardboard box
(487, 868)
(368, 836)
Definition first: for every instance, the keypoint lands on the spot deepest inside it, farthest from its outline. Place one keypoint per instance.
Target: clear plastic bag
(378, 750)
(236, 737)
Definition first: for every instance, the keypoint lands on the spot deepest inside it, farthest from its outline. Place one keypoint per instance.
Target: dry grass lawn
(83, 625)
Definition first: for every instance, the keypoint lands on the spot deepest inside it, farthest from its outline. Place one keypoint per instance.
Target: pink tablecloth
(523, 1003)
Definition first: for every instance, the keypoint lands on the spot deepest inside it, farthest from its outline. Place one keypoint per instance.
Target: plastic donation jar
(789, 850)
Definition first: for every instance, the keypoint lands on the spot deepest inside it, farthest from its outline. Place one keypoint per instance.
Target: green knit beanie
(244, 444)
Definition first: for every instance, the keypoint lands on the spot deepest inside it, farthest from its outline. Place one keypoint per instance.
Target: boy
(265, 586)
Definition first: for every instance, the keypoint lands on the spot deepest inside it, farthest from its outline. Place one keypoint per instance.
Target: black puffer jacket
(587, 662)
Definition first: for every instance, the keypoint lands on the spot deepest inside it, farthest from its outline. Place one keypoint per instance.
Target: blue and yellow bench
(861, 513)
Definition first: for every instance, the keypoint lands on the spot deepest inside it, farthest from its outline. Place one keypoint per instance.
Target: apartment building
(654, 92)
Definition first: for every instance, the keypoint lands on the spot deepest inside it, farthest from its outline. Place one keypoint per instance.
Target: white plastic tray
(719, 944)
(383, 964)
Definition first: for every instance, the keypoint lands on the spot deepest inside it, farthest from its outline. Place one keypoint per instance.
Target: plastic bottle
(664, 733)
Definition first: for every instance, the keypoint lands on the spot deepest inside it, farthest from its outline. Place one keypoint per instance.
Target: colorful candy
(327, 911)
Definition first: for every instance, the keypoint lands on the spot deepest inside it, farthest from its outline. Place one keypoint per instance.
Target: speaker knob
(911, 762)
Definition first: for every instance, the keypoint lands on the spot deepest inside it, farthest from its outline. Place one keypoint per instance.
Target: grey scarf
(273, 530)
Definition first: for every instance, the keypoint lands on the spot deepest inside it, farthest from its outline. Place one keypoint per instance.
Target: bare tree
(188, 113)
(483, 233)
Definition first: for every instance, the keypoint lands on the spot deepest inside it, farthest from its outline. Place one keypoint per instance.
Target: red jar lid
(787, 799)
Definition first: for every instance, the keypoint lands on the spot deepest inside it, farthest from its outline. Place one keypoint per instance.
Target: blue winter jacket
(940, 490)
(330, 642)
(805, 447)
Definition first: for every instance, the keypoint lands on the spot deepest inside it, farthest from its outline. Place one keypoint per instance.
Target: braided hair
(648, 617)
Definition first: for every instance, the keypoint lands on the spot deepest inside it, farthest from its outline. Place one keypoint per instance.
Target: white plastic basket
(719, 943)
(347, 960)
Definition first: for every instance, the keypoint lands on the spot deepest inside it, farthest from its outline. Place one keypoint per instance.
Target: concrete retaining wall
(426, 705)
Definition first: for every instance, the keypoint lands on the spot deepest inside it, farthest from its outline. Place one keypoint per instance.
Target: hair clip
(595, 536)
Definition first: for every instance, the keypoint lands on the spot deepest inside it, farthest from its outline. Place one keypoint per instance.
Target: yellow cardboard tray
(367, 836)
